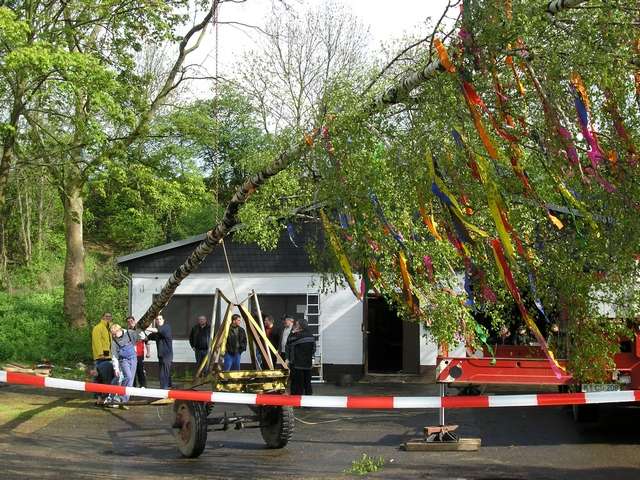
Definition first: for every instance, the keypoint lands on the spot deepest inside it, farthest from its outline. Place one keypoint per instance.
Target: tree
(175, 182)
(91, 106)
(301, 55)
(481, 171)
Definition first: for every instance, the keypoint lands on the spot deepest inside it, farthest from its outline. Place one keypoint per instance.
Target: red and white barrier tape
(323, 401)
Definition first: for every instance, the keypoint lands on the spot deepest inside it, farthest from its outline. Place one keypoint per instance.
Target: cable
(224, 249)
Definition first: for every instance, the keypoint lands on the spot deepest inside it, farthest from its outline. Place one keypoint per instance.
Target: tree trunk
(23, 214)
(3, 251)
(9, 142)
(74, 272)
(41, 216)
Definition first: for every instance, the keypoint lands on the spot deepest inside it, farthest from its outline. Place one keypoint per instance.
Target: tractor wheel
(585, 413)
(276, 425)
(191, 427)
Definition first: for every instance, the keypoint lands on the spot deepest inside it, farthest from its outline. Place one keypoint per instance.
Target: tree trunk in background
(9, 142)
(3, 250)
(41, 216)
(74, 271)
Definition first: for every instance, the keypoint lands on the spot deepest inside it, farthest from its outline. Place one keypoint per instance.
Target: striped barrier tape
(323, 401)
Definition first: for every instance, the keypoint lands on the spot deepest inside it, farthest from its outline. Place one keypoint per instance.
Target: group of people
(119, 353)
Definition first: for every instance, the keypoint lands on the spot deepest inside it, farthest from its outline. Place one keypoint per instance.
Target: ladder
(312, 315)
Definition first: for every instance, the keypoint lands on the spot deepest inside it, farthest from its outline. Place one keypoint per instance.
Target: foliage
(520, 64)
(32, 326)
(85, 133)
(366, 464)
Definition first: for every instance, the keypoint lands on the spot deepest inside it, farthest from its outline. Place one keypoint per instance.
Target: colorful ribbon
(338, 252)
(507, 277)
(292, 234)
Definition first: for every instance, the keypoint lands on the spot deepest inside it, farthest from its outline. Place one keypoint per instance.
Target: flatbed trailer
(527, 365)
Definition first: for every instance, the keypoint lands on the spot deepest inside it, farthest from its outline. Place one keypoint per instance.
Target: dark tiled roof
(286, 258)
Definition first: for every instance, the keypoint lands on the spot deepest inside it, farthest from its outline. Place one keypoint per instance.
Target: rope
(224, 249)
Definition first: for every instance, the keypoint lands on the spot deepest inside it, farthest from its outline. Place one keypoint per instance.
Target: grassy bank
(32, 324)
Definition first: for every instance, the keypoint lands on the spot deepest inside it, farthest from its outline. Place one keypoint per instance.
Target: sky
(386, 21)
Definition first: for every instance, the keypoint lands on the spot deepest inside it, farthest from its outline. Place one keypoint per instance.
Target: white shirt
(285, 336)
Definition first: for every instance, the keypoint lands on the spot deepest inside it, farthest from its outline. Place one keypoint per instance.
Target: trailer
(269, 375)
(527, 365)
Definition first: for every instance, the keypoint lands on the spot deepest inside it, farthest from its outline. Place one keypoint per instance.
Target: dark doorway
(384, 337)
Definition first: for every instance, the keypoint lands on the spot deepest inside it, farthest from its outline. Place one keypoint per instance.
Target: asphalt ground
(53, 434)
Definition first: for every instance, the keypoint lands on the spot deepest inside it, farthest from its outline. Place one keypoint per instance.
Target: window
(182, 311)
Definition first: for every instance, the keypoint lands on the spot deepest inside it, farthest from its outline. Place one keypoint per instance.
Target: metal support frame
(442, 433)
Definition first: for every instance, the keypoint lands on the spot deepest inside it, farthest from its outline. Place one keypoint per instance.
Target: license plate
(600, 387)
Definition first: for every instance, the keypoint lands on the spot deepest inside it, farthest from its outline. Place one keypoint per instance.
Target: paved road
(522, 443)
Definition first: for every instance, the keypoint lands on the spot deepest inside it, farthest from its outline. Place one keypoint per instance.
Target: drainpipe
(129, 289)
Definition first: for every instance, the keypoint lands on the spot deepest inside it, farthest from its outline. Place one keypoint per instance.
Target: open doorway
(392, 345)
(384, 337)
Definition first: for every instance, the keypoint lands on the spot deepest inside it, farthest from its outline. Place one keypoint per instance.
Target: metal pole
(443, 391)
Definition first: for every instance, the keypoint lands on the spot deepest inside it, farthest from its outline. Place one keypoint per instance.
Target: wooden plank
(463, 445)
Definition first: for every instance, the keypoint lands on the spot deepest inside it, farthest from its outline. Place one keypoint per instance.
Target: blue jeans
(104, 369)
(231, 361)
(127, 375)
(165, 372)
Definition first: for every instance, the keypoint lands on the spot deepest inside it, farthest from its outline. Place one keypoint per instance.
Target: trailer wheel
(585, 413)
(190, 427)
(276, 425)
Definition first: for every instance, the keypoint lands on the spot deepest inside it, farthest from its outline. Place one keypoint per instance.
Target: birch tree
(300, 55)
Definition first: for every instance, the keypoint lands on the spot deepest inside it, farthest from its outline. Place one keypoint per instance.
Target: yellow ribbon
(337, 250)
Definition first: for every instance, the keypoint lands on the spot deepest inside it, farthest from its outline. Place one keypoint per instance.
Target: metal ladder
(312, 316)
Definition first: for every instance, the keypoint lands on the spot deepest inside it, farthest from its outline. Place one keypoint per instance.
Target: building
(354, 337)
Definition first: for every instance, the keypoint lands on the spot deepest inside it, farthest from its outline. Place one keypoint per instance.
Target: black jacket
(301, 347)
(237, 340)
(164, 341)
(199, 337)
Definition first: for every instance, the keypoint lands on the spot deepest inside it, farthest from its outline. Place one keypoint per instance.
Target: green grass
(365, 464)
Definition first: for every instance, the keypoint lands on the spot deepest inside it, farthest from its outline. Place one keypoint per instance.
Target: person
(284, 335)
(101, 348)
(161, 333)
(123, 358)
(269, 330)
(271, 334)
(301, 346)
(199, 339)
(142, 350)
(236, 344)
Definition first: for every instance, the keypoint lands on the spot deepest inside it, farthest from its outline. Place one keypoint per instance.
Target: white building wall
(340, 311)
(429, 349)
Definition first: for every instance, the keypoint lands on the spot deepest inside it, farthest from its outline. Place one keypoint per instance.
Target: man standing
(161, 333)
(199, 339)
(101, 348)
(236, 344)
(142, 350)
(301, 347)
(284, 335)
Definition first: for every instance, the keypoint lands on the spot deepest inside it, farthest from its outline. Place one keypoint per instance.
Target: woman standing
(124, 359)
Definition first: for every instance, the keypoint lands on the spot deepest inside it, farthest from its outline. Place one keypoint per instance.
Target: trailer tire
(191, 427)
(276, 425)
(585, 413)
